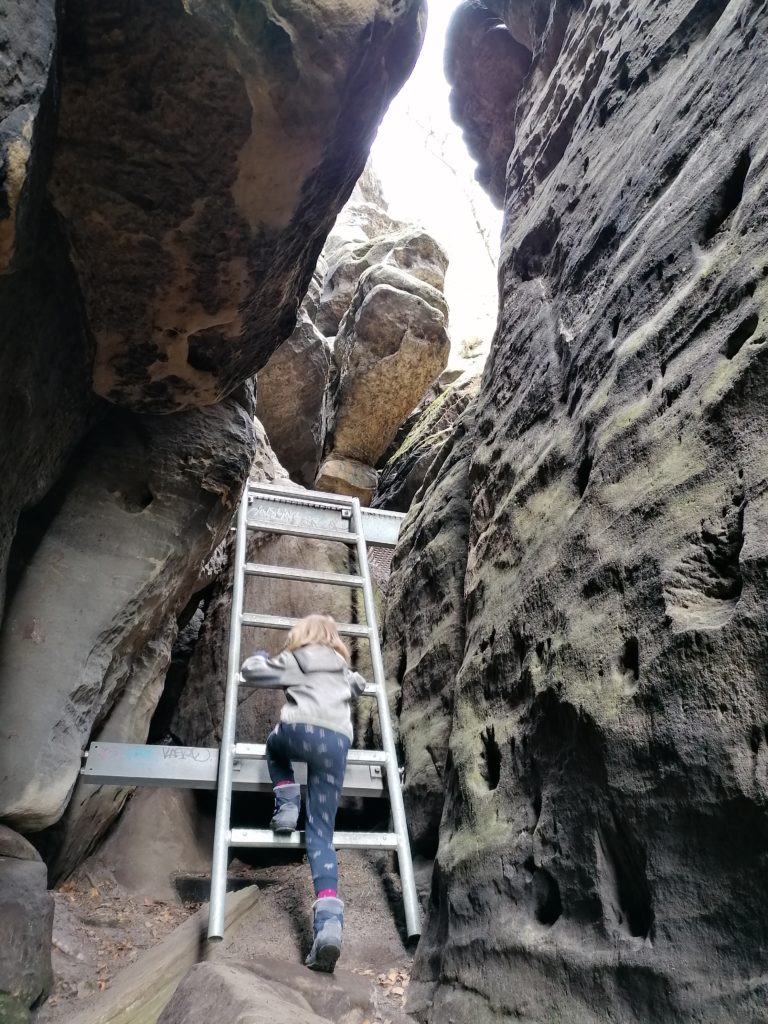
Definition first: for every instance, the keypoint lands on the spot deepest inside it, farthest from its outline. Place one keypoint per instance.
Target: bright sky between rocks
(428, 176)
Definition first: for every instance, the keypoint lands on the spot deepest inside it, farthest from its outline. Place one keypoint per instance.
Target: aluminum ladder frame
(230, 751)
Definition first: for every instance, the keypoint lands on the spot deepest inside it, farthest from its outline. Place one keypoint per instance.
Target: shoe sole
(284, 830)
(325, 959)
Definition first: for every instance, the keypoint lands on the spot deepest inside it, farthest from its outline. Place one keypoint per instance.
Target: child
(315, 727)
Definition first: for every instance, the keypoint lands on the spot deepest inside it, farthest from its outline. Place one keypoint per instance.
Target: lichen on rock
(605, 794)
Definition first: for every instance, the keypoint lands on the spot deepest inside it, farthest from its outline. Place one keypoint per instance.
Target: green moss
(12, 1010)
(421, 432)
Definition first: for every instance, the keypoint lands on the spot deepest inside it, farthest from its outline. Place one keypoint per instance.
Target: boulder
(391, 345)
(266, 990)
(365, 218)
(26, 924)
(290, 399)
(350, 254)
(203, 153)
(115, 560)
(602, 844)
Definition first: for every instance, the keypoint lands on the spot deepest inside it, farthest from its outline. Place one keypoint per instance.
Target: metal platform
(137, 764)
(316, 514)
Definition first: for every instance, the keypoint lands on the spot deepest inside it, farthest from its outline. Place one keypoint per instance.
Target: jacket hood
(318, 658)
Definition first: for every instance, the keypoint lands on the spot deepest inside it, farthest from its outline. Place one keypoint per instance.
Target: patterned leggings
(325, 754)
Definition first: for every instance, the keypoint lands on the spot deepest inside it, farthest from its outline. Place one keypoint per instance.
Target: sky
(415, 141)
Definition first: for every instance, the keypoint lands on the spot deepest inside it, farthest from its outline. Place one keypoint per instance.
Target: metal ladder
(347, 510)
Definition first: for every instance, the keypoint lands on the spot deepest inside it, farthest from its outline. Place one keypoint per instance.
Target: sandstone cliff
(169, 172)
(593, 650)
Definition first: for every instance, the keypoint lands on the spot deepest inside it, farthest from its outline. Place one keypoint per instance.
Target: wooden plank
(140, 992)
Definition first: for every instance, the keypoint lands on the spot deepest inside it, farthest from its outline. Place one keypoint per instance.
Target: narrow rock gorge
(169, 174)
(200, 284)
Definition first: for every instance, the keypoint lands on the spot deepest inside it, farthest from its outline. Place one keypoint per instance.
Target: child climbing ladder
(316, 728)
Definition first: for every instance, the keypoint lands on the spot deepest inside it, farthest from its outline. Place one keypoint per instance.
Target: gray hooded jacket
(318, 684)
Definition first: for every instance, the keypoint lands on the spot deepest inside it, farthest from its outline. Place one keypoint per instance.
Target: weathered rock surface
(266, 990)
(204, 151)
(291, 398)
(424, 630)
(26, 923)
(486, 66)
(45, 356)
(27, 85)
(602, 843)
(392, 344)
(431, 425)
(117, 557)
(364, 219)
(160, 834)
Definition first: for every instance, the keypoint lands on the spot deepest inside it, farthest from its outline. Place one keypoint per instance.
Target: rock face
(45, 355)
(424, 630)
(431, 425)
(605, 821)
(264, 989)
(392, 344)
(26, 923)
(89, 627)
(168, 175)
(291, 399)
(204, 151)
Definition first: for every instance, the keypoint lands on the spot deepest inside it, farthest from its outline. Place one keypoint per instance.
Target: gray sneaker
(329, 923)
(287, 807)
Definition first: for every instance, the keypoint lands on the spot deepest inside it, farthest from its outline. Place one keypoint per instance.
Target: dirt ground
(100, 928)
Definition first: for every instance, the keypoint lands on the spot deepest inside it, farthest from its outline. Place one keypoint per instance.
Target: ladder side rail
(224, 788)
(405, 861)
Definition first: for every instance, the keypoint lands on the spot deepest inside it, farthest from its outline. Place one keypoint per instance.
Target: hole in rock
(546, 893)
(729, 197)
(136, 498)
(491, 758)
(583, 474)
(630, 657)
(624, 888)
(742, 334)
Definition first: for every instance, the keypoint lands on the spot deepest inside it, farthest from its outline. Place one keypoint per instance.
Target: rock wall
(606, 813)
(169, 172)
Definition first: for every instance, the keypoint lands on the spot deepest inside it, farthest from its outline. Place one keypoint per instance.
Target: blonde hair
(317, 629)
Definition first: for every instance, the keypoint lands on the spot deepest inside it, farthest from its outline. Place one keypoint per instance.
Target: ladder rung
(283, 572)
(255, 837)
(315, 533)
(257, 751)
(283, 622)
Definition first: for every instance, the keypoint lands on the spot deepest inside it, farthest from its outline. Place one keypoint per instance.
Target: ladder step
(284, 622)
(283, 572)
(257, 751)
(258, 837)
(315, 533)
